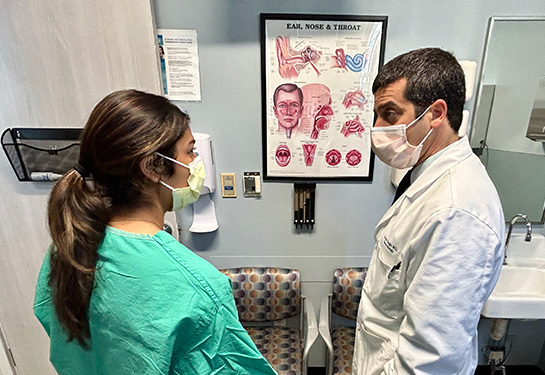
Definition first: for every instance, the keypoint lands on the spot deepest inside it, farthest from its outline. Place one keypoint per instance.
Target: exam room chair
(277, 317)
(338, 313)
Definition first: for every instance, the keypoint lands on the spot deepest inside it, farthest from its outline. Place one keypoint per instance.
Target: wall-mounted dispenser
(204, 211)
(536, 126)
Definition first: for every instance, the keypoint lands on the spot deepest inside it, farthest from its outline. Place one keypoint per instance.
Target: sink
(520, 291)
(526, 254)
(519, 294)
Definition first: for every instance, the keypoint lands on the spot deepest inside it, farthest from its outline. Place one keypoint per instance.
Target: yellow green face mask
(185, 196)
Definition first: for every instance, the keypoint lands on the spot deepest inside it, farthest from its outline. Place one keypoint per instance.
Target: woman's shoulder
(163, 262)
(212, 281)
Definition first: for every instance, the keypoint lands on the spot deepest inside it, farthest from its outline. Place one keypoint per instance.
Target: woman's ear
(439, 112)
(147, 168)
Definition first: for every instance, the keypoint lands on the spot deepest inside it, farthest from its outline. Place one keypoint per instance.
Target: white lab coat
(437, 257)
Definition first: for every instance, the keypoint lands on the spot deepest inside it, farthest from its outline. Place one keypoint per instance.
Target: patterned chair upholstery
(343, 302)
(273, 311)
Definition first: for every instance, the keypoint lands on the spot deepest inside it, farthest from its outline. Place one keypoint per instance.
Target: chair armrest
(324, 327)
(311, 330)
(325, 330)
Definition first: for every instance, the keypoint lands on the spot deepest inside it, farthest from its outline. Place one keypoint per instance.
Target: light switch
(228, 185)
(252, 184)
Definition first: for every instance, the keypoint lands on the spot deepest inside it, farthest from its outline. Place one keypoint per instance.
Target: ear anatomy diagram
(291, 62)
(354, 98)
(282, 155)
(355, 63)
(339, 59)
(353, 157)
(353, 127)
(317, 108)
(333, 157)
(309, 150)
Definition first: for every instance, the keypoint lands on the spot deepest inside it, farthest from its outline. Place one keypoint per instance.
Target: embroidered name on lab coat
(391, 247)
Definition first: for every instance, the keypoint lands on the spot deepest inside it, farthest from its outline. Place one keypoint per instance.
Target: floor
(511, 370)
(481, 370)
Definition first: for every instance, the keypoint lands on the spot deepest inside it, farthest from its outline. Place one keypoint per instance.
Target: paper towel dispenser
(536, 125)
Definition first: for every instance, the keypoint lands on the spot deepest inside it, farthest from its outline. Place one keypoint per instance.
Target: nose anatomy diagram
(354, 98)
(353, 127)
(317, 110)
(321, 119)
(282, 155)
(291, 62)
(309, 150)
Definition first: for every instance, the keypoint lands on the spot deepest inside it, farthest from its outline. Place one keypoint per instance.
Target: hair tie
(81, 170)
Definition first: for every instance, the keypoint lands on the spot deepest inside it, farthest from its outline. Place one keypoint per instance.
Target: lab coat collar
(453, 155)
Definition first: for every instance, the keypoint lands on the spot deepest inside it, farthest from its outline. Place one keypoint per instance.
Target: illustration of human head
(288, 107)
(317, 109)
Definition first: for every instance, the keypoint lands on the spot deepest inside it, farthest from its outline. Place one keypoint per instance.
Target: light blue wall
(260, 231)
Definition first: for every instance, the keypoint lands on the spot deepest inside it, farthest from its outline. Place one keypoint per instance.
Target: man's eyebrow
(388, 104)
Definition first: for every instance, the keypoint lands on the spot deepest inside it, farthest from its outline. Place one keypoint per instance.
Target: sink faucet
(528, 237)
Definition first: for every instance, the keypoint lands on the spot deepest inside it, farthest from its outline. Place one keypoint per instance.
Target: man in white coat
(439, 248)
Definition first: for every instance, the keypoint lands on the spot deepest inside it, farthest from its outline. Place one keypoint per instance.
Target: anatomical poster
(317, 76)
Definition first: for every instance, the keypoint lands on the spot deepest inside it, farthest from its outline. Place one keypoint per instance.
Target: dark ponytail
(77, 221)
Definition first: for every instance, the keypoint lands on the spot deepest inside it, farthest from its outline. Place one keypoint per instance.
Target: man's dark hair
(288, 87)
(431, 74)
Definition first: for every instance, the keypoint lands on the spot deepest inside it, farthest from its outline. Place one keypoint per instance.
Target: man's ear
(439, 113)
(146, 167)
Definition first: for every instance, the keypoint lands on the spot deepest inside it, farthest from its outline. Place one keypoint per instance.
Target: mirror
(508, 131)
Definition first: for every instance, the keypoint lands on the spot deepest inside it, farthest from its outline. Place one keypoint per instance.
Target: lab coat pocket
(376, 350)
(384, 286)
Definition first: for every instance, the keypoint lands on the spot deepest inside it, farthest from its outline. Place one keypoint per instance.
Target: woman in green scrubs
(116, 294)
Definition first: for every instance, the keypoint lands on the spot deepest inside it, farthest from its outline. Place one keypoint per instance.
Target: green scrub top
(156, 308)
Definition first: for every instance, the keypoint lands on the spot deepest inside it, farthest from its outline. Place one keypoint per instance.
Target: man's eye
(390, 115)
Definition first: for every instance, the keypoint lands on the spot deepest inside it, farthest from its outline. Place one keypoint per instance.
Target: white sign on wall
(179, 57)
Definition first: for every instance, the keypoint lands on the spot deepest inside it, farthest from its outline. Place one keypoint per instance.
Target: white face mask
(390, 144)
(185, 196)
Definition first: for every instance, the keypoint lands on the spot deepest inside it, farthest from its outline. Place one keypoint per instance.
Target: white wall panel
(57, 59)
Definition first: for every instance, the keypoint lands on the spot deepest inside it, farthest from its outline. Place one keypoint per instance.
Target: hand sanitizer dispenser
(204, 211)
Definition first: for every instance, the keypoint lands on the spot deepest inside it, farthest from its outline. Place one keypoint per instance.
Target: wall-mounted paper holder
(304, 207)
(36, 154)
